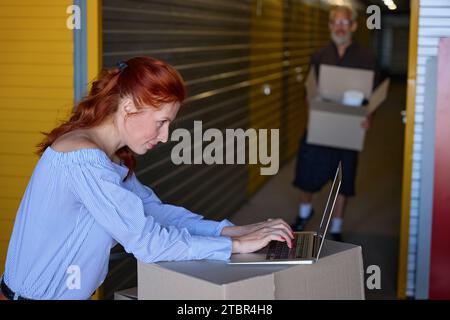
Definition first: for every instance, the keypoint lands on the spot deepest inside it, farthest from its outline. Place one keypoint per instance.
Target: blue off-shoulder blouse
(76, 207)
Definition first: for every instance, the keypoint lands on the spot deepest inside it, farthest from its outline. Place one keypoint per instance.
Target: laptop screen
(332, 196)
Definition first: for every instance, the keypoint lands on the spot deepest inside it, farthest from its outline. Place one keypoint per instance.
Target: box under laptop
(307, 245)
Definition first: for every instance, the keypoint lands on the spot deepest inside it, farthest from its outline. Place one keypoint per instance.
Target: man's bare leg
(304, 210)
(338, 216)
(339, 207)
(305, 197)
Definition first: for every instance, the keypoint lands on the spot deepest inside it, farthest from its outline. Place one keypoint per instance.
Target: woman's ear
(126, 106)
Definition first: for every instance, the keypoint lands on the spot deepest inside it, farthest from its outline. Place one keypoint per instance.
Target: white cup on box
(353, 98)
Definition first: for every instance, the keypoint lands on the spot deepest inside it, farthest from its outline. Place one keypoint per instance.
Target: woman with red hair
(83, 196)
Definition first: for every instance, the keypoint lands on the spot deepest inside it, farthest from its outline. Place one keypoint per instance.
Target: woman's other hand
(251, 238)
(237, 231)
(259, 239)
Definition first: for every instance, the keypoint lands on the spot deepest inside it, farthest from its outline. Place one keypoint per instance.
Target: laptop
(307, 245)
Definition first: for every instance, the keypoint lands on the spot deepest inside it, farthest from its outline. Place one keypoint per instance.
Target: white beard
(338, 40)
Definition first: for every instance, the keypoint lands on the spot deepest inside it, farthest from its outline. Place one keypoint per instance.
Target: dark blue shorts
(316, 165)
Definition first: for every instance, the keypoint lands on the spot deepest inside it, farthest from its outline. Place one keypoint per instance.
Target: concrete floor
(372, 217)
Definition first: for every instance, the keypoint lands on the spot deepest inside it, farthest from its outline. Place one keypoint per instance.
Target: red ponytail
(146, 80)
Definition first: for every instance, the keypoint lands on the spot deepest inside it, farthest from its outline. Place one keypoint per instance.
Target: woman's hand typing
(251, 238)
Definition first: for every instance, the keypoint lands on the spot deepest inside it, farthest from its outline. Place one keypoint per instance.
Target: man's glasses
(341, 23)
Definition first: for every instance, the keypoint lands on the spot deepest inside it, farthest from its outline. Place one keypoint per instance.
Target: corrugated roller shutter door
(299, 43)
(267, 72)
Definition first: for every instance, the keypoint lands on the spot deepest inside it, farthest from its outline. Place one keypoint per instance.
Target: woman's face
(142, 129)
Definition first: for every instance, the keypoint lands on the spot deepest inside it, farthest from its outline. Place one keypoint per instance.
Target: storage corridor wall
(36, 90)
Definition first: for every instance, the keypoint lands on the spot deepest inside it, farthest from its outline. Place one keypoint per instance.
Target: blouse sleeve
(121, 213)
(170, 215)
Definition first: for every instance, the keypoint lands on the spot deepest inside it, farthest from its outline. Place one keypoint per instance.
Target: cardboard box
(332, 123)
(337, 275)
(128, 294)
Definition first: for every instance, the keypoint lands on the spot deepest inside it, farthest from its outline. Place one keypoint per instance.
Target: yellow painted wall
(36, 91)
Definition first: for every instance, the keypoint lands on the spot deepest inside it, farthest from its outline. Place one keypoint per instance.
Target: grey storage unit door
(208, 43)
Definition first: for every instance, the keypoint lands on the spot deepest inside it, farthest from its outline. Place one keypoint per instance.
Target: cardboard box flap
(311, 84)
(378, 96)
(334, 81)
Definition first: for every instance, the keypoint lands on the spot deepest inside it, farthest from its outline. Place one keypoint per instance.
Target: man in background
(316, 165)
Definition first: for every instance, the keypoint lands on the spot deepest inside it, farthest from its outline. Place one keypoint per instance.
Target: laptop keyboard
(280, 250)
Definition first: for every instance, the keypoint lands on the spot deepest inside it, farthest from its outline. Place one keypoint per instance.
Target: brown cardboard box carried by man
(331, 122)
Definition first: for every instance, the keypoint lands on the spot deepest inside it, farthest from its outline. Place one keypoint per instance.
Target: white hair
(347, 9)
